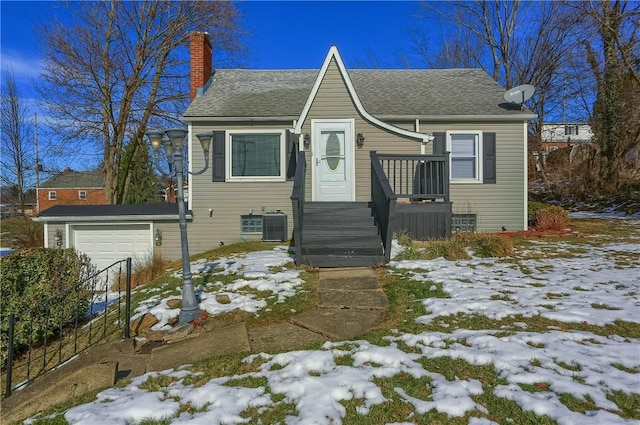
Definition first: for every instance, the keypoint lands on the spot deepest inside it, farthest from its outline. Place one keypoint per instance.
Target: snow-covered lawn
(560, 351)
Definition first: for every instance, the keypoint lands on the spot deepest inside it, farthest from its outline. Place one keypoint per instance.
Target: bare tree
(485, 36)
(513, 42)
(613, 55)
(120, 66)
(17, 159)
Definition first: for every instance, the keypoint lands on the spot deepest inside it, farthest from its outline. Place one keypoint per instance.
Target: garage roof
(122, 212)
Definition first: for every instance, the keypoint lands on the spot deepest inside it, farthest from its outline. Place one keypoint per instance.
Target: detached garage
(109, 233)
(106, 243)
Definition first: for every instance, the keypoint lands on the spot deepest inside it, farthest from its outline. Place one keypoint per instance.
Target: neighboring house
(339, 160)
(564, 135)
(10, 205)
(72, 188)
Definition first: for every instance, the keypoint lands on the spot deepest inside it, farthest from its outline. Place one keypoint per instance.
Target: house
(10, 204)
(72, 188)
(299, 150)
(337, 160)
(565, 134)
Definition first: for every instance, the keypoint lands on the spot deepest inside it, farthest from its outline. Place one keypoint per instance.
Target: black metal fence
(103, 310)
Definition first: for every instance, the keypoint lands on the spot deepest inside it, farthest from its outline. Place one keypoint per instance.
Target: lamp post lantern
(173, 142)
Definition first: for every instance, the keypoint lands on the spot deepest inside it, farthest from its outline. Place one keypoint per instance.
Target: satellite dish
(519, 94)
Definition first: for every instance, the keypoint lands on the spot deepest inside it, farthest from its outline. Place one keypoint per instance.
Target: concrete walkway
(349, 303)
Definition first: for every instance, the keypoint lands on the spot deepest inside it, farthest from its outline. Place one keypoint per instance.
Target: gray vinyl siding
(170, 248)
(503, 203)
(230, 200)
(51, 233)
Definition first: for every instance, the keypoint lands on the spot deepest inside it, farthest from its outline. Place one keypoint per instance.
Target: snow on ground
(584, 288)
(256, 273)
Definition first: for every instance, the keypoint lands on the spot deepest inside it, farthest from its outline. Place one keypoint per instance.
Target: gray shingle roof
(75, 179)
(161, 208)
(408, 93)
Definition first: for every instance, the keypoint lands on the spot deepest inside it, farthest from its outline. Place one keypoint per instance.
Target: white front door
(333, 161)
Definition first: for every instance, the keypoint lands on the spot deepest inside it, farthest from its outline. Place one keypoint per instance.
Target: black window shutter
(489, 158)
(439, 143)
(217, 158)
(291, 154)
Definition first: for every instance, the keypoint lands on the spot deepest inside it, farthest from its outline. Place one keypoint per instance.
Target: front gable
(327, 76)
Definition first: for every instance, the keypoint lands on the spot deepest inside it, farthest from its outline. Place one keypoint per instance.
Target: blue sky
(281, 35)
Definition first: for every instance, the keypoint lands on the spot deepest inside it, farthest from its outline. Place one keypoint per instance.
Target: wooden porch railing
(297, 203)
(417, 177)
(383, 202)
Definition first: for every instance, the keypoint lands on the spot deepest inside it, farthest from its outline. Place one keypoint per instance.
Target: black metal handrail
(297, 203)
(418, 177)
(89, 324)
(383, 202)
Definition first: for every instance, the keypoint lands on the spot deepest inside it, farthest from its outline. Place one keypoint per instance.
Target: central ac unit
(274, 227)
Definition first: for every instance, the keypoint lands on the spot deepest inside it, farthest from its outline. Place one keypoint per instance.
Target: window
(570, 130)
(82, 195)
(251, 223)
(466, 156)
(52, 195)
(256, 155)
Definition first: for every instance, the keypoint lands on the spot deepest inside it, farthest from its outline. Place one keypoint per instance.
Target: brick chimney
(201, 56)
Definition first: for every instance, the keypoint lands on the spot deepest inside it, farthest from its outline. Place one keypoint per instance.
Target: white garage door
(106, 244)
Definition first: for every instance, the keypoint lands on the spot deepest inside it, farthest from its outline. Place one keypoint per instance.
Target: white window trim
(52, 195)
(229, 157)
(82, 195)
(479, 157)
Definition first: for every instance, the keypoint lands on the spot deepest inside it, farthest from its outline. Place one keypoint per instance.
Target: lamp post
(173, 142)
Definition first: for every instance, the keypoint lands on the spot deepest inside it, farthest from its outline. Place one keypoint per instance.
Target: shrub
(403, 238)
(41, 287)
(552, 218)
(144, 271)
(533, 209)
(22, 232)
(492, 246)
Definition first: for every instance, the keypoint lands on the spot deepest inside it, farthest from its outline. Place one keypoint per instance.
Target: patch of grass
(500, 297)
(248, 382)
(625, 368)
(156, 383)
(629, 404)
(556, 295)
(601, 306)
(534, 388)
(576, 404)
(166, 421)
(275, 414)
(570, 366)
